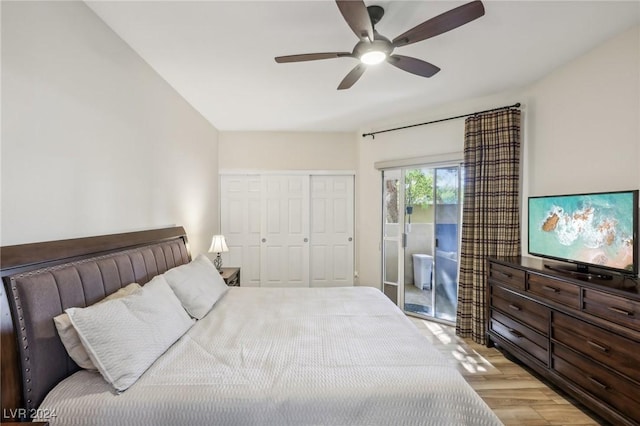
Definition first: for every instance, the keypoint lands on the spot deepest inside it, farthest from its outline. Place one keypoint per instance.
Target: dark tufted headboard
(41, 280)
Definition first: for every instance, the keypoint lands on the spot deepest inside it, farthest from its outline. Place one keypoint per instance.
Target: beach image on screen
(595, 229)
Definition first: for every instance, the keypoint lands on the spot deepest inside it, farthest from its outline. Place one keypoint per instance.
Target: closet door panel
(285, 240)
(240, 219)
(331, 231)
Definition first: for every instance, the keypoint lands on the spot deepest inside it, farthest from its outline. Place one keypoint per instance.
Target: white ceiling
(219, 55)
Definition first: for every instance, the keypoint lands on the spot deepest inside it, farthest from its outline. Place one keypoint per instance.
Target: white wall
(584, 122)
(581, 133)
(93, 140)
(287, 151)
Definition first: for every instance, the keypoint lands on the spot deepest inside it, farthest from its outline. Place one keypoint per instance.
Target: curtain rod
(373, 134)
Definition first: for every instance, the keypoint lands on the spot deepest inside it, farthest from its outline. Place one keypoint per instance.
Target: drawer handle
(620, 311)
(516, 333)
(504, 274)
(597, 383)
(549, 288)
(514, 307)
(598, 346)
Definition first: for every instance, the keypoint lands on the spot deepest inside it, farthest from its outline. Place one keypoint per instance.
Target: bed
(330, 356)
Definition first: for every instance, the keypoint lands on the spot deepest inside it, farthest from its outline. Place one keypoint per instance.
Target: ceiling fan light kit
(373, 57)
(374, 48)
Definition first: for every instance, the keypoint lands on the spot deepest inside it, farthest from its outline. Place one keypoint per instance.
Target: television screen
(598, 229)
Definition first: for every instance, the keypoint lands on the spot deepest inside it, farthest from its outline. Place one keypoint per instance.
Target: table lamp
(218, 245)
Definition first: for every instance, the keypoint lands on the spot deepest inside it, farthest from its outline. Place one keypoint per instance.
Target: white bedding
(332, 356)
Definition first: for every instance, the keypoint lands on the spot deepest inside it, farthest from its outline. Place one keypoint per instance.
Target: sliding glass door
(419, 241)
(447, 236)
(421, 238)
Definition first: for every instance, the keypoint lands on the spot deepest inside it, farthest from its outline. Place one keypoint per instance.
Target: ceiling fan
(374, 48)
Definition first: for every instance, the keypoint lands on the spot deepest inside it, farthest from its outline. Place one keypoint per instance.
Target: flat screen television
(596, 230)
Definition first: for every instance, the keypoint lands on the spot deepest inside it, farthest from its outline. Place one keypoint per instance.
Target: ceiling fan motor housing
(379, 44)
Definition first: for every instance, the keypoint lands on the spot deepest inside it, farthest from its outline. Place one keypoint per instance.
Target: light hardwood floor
(516, 396)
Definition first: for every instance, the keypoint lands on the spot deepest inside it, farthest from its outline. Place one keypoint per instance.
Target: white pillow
(197, 284)
(125, 336)
(69, 335)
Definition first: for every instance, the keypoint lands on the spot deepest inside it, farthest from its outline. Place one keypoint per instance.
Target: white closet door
(240, 217)
(284, 260)
(331, 235)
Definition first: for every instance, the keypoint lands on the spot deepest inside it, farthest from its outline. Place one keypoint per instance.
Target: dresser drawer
(558, 291)
(521, 336)
(527, 311)
(619, 353)
(616, 309)
(506, 275)
(598, 381)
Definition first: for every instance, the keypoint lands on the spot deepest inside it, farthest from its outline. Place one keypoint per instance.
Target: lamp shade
(218, 244)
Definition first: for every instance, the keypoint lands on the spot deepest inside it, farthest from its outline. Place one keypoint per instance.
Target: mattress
(264, 356)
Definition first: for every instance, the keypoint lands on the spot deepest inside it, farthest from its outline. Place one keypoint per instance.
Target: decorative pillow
(123, 337)
(197, 284)
(69, 335)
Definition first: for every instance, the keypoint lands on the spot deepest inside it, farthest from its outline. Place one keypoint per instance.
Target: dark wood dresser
(582, 334)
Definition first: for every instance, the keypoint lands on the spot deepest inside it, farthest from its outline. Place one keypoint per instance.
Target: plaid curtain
(491, 214)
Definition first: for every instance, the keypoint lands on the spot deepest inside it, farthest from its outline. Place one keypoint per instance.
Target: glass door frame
(394, 240)
(400, 239)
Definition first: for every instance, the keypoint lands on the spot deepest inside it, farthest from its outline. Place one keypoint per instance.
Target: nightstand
(231, 276)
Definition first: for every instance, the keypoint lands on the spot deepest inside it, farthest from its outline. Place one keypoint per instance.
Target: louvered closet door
(284, 260)
(331, 257)
(241, 218)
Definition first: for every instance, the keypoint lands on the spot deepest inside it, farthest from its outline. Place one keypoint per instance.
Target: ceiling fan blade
(357, 16)
(441, 24)
(352, 77)
(413, 65)
(311, 57)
